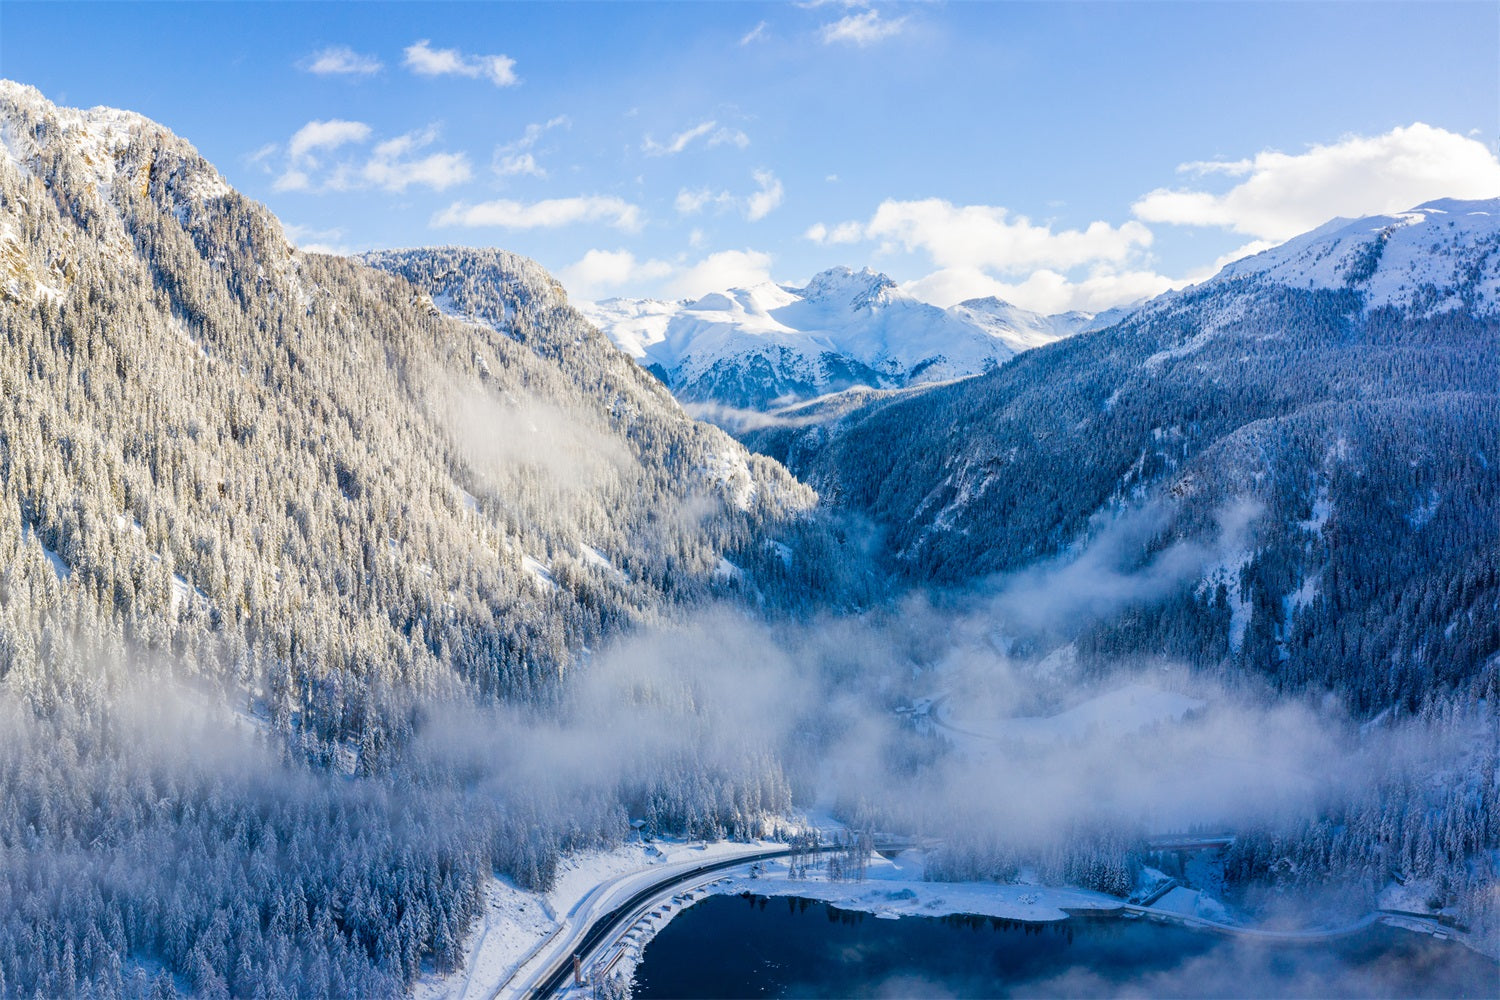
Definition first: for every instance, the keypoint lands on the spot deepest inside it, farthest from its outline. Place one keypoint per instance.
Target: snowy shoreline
(517, 926)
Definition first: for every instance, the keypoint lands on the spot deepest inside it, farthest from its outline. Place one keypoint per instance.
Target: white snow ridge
(772, 344)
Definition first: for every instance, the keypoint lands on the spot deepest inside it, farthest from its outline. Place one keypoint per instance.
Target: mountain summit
(1440, 256)
(752, 348)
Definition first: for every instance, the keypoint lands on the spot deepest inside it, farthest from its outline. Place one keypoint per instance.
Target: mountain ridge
(773, 344)
(1387, 364)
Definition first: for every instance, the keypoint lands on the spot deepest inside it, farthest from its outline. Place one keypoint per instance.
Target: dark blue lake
(752, 946)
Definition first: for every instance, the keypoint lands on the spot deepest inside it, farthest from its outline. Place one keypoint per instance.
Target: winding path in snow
(611, 906)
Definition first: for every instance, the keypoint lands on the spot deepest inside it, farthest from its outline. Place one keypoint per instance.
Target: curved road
(583, 937)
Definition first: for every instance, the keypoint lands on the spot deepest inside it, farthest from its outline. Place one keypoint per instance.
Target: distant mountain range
(770, 345)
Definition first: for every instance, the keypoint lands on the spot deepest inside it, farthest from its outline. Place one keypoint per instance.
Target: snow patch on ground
(1188, 347)
(1303, 596)
(1322, 509)
(130, 524)
(895, 887)
(539, 572)
(1425, 511)
(730, 472)
(443, 303)
(59, 566)
(185, 595)
(593, 557)
(1227, 572)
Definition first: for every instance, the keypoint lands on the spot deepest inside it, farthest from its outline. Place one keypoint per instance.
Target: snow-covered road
(537, 971)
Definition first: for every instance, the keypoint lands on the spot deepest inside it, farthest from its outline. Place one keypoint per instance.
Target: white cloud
(515, 158)
(536, 130)
(327, 135)
(763, 202)
(729, 137)
(438, 171)
(512, 164)
(1045, 291)
(718, 271)
(844, 232)
(602, 272)
(315, 240)
(692, 202)
(261, 157)
(424, 60)
(989, 237)
(756, 205)
(292, 179)
(341, 60)
(547, 214)
(401, 145)
(1233, 168)
(716, 136)
(865, 28)
(678, 142)
(390, 165)
(983, 250)
(1285, 194)
(755, 34)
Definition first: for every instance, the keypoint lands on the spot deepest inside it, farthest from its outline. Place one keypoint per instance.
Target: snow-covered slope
(512, 454)
(754, 347)
(1437, 257)
(1019, 328)
(1305, 339)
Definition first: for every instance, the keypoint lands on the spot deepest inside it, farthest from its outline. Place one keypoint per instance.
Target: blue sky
(1060, 155)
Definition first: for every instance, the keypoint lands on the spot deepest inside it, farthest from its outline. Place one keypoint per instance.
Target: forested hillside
(282, 498)
(1345, 384)
(216, 438)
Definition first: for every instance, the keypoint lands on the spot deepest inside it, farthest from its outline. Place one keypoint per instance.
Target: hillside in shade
(1345, 384)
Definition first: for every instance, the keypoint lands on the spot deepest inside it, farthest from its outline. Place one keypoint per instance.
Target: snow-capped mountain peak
(842, 286)
(770, 344)
(1438, 256)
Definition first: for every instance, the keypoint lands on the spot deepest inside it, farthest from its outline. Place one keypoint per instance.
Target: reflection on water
(752, 946)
